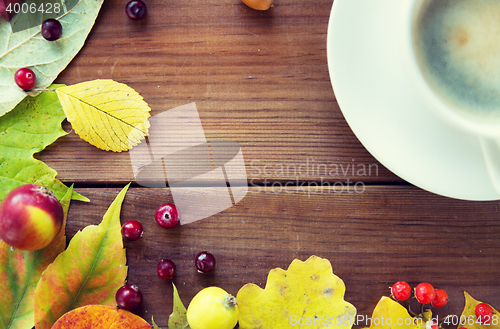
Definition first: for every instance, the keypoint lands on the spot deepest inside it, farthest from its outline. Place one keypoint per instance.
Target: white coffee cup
(452, 51)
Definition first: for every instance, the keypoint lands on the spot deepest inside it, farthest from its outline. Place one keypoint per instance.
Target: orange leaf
(88, 272)
(100, 317)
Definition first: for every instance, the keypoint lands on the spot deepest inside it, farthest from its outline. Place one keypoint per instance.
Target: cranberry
(166, 269)
(51, 29)
(25, 78)
(129, 297)
(167, 216)
(205, 262)
(136, 10)
(132, 230)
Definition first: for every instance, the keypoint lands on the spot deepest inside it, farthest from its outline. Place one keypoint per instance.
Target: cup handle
(491, 152)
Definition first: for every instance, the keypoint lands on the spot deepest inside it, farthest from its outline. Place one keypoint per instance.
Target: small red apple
(30, 217)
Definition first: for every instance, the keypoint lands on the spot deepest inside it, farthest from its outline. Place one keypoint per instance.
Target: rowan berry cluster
(426, 294)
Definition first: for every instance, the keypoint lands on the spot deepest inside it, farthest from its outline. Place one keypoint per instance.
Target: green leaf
(88, 272)
(33, 125)
(178, 318)
(155, 326)
(47, 59)
(20, 271)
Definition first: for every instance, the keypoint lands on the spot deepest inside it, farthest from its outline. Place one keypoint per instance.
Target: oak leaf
(308, 293)
(88, 272)
(20, 271)
(100, 317)
(107, 114)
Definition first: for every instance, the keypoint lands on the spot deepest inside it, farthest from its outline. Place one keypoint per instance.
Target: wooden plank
(259, 79)
(372, 239)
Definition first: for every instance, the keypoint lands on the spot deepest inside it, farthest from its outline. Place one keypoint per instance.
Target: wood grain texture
(261, 79)
(372, 239)
(258, 78)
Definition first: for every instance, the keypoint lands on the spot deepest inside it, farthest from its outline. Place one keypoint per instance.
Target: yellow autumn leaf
(389, 314)
(469, 319)
(107, 114)
(308, 294)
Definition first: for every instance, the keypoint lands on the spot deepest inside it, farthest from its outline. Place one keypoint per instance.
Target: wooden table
(261, 79)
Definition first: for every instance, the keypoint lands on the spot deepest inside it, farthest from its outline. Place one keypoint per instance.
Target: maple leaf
(308, 293)
(34, 124)
(107, 114)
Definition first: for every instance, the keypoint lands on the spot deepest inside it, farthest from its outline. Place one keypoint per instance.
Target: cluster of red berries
(167, 216)
(424, 293)
(52, 30)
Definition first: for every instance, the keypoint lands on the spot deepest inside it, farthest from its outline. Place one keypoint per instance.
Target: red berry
(129, 297)
(132, 230)
(401, 290)
(166, 269)
(205, 262)
(425, 293)
(167, 216)
(51, 29)
(484, 313)
(25, 78)
(136, 10)
(441, 298)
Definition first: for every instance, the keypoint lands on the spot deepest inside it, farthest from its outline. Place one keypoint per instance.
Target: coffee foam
(457, 44)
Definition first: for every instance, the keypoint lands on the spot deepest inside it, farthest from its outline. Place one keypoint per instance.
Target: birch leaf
(107, 114)
(20, 271)
(88, 272)
(28, 48)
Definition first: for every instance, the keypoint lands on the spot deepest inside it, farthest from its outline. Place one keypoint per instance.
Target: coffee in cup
(457, 49)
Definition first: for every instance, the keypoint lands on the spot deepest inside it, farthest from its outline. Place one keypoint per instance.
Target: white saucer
(386, 114)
